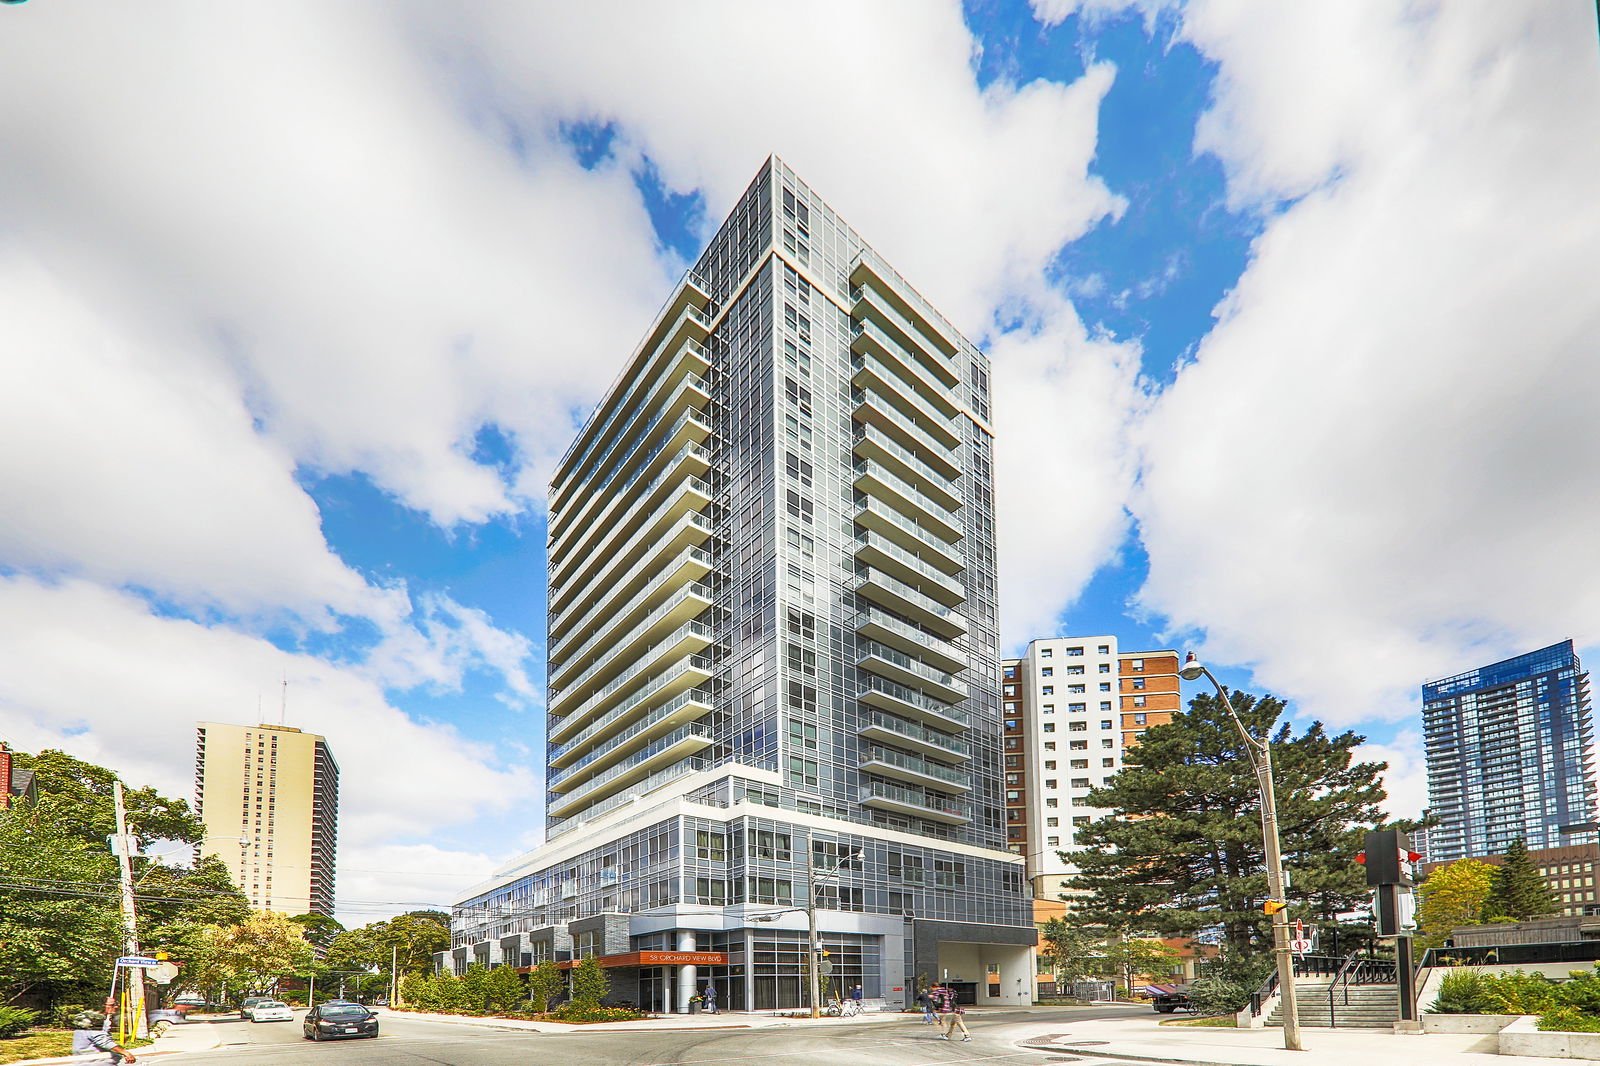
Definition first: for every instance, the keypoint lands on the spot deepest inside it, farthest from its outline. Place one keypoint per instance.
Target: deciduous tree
(1453, 895)
(544, 983)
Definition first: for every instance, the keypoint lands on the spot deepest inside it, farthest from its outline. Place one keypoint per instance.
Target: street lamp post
(813, 878)
(1260, 752)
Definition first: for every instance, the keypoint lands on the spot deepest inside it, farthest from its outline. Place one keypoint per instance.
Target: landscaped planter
(1466, 1023)
(1523, 1037)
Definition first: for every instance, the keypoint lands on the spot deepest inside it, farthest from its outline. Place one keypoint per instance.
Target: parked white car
(270, 1010)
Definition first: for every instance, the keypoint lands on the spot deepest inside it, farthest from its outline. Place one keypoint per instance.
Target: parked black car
(337, 1020)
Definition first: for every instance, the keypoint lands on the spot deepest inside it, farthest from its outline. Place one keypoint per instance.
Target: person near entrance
(710, 999)
(949, 1011)
(855, 994)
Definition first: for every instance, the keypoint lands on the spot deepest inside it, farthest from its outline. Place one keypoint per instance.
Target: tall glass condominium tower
(1508, 756)
(772, 649)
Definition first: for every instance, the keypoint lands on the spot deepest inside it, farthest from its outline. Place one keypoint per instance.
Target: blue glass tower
(1508, 756)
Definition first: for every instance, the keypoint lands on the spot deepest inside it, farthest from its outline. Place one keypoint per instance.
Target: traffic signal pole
(1281, 951)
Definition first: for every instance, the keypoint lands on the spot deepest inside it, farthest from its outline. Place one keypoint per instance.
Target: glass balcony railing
(917, 734)
(908, 698)
(691, 702)
(919, 540)
(699, 632)
(903, 599)
(559, 826)
(947, 589)
(645, 687)
(634, 555)
(619, 776)
(869, 336)
(561, 660)
(934, 483)
(625, 499)
(874, 375)
(879, 625)
(875, 480)
(927, 804)
(948, 686)
(911, 764)
(648, 689)
(872, 409)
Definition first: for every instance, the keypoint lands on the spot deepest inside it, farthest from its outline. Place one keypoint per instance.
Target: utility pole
(134, 977)
(811, 917)
(394, 974)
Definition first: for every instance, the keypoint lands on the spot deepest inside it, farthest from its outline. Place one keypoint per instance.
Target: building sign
(658, 958)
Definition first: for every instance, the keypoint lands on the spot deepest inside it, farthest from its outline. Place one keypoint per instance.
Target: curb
(1095, 1052)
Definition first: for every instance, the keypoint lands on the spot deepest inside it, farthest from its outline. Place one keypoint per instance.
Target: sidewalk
(1142, 1039)
(664, 1023)
(191, 1036)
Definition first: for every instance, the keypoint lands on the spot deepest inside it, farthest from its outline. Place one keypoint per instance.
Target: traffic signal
(1273, 906)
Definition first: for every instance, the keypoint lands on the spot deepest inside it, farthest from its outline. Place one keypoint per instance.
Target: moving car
(337, 1020)
(270, 1010)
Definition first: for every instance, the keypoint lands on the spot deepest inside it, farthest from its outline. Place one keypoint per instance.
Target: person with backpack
(949, 1011)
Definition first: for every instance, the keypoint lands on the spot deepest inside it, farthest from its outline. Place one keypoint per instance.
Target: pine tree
(1182, 849)
(1520, 890)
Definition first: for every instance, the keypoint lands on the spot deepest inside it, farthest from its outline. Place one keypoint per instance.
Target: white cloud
(1064, 464)
(1383, 466)
(1406, 780)
(93, 673)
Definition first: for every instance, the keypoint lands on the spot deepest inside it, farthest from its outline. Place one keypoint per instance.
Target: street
(899, 1043)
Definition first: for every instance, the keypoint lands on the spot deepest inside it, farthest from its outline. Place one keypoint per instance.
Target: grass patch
(1220, 1021)
(36, 1044)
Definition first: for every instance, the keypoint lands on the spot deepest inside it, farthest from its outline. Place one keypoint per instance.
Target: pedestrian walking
(855, 994)
(925, 1001)
(710, 999)
(950, 1012)
(105, 1042)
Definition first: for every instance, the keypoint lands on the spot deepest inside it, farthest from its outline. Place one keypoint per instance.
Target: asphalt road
(406, 1041)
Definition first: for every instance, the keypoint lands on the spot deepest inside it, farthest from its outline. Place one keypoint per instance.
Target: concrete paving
(1143, 1039)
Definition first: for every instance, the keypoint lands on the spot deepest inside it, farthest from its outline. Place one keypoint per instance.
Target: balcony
(915, 327)
(872, 410)
(870, 339)
(689, 673)
(559, 826)
(591, 756)
(625, 506)
(887, 763)
(873, 443)
(684, 571)
(902, 599)
(897, 666)
(874, 374)
(641, 435)
(891, 631)
(920, 510)
(888, 696)
(929, 742)
(880, 518)
(915, 802)
(690, 428)
(677, 745)
(677, 524)
(638, 658)
(874, 549)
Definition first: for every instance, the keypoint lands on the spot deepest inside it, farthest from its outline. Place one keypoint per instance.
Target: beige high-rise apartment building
(269, 798)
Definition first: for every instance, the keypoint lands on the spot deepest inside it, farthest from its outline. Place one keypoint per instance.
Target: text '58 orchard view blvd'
(773, 646)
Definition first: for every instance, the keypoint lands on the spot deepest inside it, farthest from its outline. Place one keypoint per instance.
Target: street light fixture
(1260, 752)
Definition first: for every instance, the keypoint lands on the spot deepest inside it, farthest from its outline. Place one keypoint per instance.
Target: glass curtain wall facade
(1508, 756)
(772, 595)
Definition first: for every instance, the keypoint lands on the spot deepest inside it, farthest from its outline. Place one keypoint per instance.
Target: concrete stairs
(1373, 1006)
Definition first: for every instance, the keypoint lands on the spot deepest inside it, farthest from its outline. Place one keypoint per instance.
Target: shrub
(580, 1013)
(1461, 993)
(1568, 1020)
(1221, 995)
(14, 1021)
(1521, 993)
(589, 983)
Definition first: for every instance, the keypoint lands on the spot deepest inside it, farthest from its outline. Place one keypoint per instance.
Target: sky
(1291, 308)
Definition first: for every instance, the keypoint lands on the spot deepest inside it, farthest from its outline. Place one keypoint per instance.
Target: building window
(1045, 653)
(1048, 690)
(1076, 727)
(1104, 649)
(1048, 671)
(1107, 724)
(1138, 719)
(1105, 668)
(1051, 823)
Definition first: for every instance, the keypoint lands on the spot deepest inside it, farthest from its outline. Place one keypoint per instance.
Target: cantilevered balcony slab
(596, 754)
(675, 525)
(879, 298)
(873, 443)
(873, 410)
(884, 628)
(616, 617)
(890, 729)
(679, 744)
(914, 802)
(902, 599)
(870, 339)
(908, 703)
(915, 771)
(874, 549)
(920, 511)
(875, 375)
(902, 668)
(878, 517)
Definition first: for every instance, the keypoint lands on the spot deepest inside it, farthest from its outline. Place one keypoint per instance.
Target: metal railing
(1356, 971)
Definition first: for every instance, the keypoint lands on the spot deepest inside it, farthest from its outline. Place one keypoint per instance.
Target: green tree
(78, 796)
(320, 930)
(504, 989)
(1128, 957)
(1072, 950)
(1520, 890)
(60, 926)
(256, 952)
(1181, 850)
(544, 983)
(475, 988)
(1453, 895)
(589, 983)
